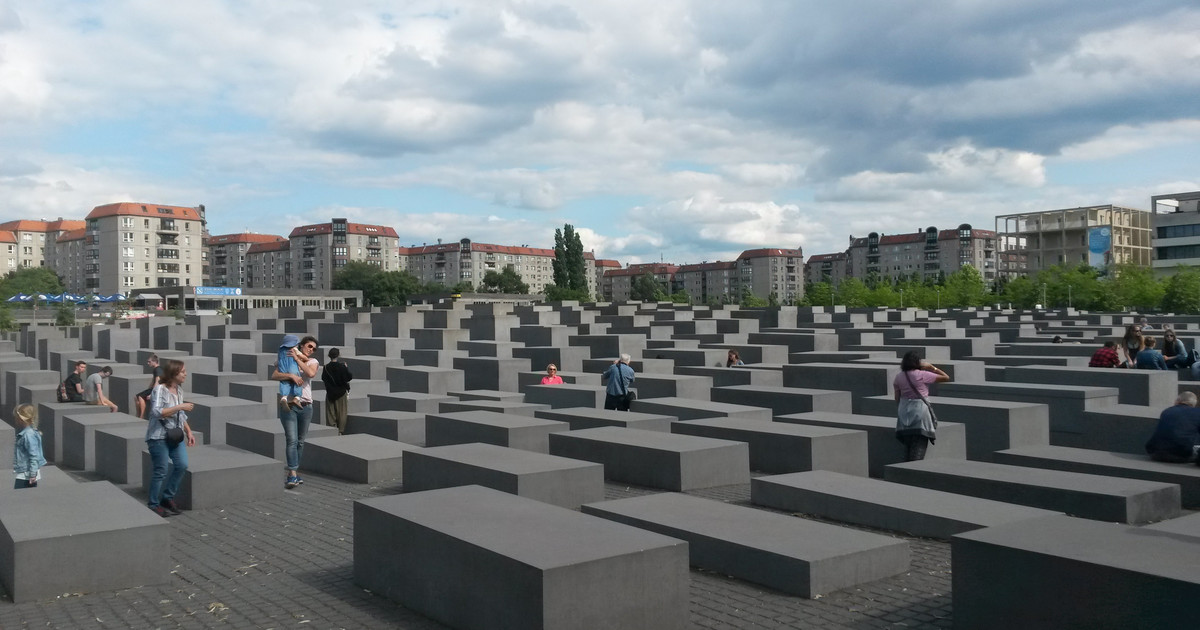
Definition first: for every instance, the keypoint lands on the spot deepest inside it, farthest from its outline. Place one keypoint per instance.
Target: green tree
(964, 287)
(645, 288)
(506, 281)
(7, 322)
(749, 300)
(1021, 292)
(818, 294)
(64, 315)
(570, 270)
(466, 286)
(30, 280)
(1182, 291)
(356, 276)
(851, 292)
(555, 293)
(1135, 287)
(392, 288)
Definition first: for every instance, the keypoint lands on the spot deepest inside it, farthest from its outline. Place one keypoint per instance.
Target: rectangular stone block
(1088, 496)
(111, 540)
(1136, 387)
(476, 558)
(556, 480)
(119, 452)
(489, 427)
(79, 435)
(427, 380)
(1104, 575)
(414, 402)
(991, 425)
(1109, 464)
(1067, 402)
(511, 407)
(726, 377)
(18, 378)
(402, 426)
(565, 395)
(793, 555)
(784, 400)
(672, 386)
(211, 414)
(214, 383)
(592, 417)
(50, 416)
(882, 446)
(657, 460)
(358, 458)
(778, 447)
(689, 409)
(221, 475)
(265, 437)
(884, 505)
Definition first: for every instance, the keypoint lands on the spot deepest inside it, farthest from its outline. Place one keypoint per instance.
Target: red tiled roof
(269, 246)
(767, 252)
(351, 228)
(7, 237)
(644, 268)
(608, 262)
(72, 235)
(26, 225)
(827, 257)
(712, 266)
(144, 209)
(482, 247)
(244, 237)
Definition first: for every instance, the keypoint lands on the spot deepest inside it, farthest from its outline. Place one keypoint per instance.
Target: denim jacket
(27, 453)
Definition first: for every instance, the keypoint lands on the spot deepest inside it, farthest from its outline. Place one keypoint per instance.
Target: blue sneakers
(292, 482)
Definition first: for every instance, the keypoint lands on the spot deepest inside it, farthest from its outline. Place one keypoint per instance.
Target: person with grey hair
(620, 376)
(1176, 438)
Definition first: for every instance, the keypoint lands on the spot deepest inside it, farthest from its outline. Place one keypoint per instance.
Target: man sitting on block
(1176, 439)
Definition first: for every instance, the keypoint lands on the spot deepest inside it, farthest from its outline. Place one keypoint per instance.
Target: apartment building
(35, 240)
(70, 259)
(318, 251)
(1175, 225)
(603, 283)
(620, 281)
(227, 257)
(1094, 235)
(831, 268)
(269, 265)
(772, 271)
(8, 251)
(710, 281)
(925, 254)
(136, 246)
(467, 261)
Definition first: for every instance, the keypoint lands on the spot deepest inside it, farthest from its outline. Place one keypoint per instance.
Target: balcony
(170, 254)
(167, 225)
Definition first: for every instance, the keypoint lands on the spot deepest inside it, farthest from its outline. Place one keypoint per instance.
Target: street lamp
(901, 299)
(1043, 295)
(1068, 296)
(939, 297)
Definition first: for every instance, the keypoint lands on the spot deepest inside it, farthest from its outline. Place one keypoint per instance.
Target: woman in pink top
(916, 426)
(552, 377)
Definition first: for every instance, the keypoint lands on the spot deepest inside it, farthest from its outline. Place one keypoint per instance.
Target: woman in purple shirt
(916, 426)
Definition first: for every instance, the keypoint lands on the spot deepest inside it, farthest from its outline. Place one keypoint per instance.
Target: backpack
(62, 393)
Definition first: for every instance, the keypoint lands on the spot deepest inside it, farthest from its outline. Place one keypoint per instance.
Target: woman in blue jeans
(168, 411)
(295, 420)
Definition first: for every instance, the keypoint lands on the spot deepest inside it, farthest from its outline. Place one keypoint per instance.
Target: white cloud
(1126, 139)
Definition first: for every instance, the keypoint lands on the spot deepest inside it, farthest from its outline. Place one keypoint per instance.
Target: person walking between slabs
(296, 418)
(916, 424)
(337, 377)
(620, 376)
(167, 436)
(27, 450)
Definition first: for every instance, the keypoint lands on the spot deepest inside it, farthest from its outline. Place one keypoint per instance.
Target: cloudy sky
(685, 130)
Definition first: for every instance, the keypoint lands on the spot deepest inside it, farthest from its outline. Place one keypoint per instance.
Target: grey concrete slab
(861, 380)
(213, 383)
(566, 395)
(724, 377)
(1119, 428)
(779, 447)
(79, 435)
(427, 380)
(556, 480)
(655, 459)
(592, 417)
(672, 386)
(1109, 464)
(111, 540)
(490, 427)
(119, 452)
(50, 416)
(415, 402)
(1088, 496)
(1187, 526)
(36, 394)
(263, 391)
(476, 558)
(490, 372)
(796, 556)
(265, 436)
(883, 504)
(1104, 575)
(785, 400)
(210, 414)
(512, 407)
(360, 458)
(402, 426)
(220, 475)
(991, 425)
(690, 409)
(18, 378)
(1135, 387)
(1067, 403)
(882, 446)
(487, 394)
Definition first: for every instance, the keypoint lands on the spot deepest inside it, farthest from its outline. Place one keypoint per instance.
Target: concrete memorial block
(220, 475)
(1104, 575)
(255, 391)
(259, 364)
(796, 341)
(592, 417)
(784, 400)
(109, 339)
(369, 367)
(360, 458)
(559, 481)
(487, 394)
(494, 349)
(427, 380)
(341, 334)
(490, 427)
(640, 366)
(223, 349)
(1187, 526)
(111, 540)
(210, 414)
(1088, 496)
(567, 358)
(548, 335)
(778, 447)
(793, 555)
(490, 372)
(402, 426)
(657, 460)
(19, 378)
(1110, 464)
(958, 371)
(50, 417)
(860, 379)
(566, 395)
(381, 347)
(882, 446)
(36, 394)
(694, 357)
(52, 477)
(415, 402)
(438, 338)
(1135, 387)
(934, 354)
(1067, 403)
(213, 383)
(512, 407)
(79, 435)
(265, 437)
(354, 404)
(672, 386)
(1120, 428)
(991, 425)
(725, 377)
(61, 362)
(689, 409)
(118, 452)
(477, 558)
(609, 346)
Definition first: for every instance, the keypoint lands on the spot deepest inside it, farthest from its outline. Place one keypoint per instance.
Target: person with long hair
(295, 419)
(1131, 344)
(168, 412)
(916, 425)
(732, 358)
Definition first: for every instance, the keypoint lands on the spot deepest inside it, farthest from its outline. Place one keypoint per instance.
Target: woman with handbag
(916, 424)
(167, 435)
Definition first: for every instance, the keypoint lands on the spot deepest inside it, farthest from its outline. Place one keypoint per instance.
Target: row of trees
(392, 288)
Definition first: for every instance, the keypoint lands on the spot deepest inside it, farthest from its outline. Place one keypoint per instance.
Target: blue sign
(1099, 246)
(218, 291)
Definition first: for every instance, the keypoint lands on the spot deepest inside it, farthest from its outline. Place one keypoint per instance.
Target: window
(127, 281)
(27, 237)
(126, 237)
(127, 265)
(127, 222)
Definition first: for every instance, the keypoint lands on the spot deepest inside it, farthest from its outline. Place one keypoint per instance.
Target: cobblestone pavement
(288, 563)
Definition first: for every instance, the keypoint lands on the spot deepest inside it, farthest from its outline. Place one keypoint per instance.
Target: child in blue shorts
(289, 392)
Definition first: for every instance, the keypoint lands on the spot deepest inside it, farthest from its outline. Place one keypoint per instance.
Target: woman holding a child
(295, 418)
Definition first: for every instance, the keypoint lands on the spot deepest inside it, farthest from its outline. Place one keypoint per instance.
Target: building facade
(1175, 224)
(620, 281)
(319, 251)
(135, 246)
(709, 281)
(831, 268)
(227, 257)
(467, 261)
(927, 254)
(70, 259)
(34, 246)
(1095, 235)
(269, 265)
(8, 251)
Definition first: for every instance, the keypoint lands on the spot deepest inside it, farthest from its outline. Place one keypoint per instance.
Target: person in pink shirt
(916, 425)
(552, 377)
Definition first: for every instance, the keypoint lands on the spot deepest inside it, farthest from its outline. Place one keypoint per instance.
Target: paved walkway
(288, 563)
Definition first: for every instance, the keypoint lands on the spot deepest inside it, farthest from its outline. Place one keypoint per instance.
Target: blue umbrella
(20, 297)
(53, 298)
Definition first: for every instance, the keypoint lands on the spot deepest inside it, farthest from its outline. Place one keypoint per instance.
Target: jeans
(295, 428)
(914, 447)
(160, 455)
(21, 483)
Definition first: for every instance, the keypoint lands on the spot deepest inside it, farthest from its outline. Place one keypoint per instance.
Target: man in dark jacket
(1176, 439)
(336, 377)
